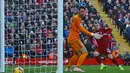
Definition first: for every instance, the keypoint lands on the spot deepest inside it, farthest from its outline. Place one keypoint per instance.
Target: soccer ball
(18, 70)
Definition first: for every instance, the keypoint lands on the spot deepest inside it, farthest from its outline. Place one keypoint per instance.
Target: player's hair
(81, 7)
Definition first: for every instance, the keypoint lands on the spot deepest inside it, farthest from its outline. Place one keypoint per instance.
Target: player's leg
(82, 53)
(82, 56)
(114, 61)
(81, 59)
(75, 48)
(108, 52)
(98, 59)
(96, 55)
(72, 60)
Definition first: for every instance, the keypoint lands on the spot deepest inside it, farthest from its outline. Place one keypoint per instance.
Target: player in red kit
(103, 46)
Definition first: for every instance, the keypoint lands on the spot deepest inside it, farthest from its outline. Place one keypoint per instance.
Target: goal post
(2, 63)
(60, 36)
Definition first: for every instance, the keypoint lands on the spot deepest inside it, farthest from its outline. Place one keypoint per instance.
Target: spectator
(75, 3)
(9, 50)
(82, 3)
(39, 50)
(65, 34)
(123, 22)
(92, 10)
(66, 48)
(51, 55)
(127, 33)
(31, 50)
(104, 25)
(66, 31)
(127, 58)
(114, 11)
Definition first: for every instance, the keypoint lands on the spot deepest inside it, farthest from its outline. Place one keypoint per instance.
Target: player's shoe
(77, 69)
(121, 68)
(102, 67)
(68, 69)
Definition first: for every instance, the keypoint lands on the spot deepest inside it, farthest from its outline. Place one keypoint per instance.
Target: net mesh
(31, 35)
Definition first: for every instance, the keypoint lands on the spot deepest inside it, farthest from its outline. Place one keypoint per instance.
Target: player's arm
(80, 27)
(96, 35)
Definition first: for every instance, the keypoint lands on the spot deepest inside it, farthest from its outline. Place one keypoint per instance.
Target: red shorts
(103, 51)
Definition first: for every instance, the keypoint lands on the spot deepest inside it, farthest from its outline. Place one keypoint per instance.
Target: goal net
(32, 35)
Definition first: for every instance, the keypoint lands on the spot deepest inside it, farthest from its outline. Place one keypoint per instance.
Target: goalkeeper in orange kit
(75, 42)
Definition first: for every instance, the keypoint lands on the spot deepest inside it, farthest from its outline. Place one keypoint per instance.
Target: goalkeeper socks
(114, 61)
(81, 58)
(72, 60)
(98, 59)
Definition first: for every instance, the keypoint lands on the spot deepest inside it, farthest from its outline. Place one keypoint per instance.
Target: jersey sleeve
(85, 31)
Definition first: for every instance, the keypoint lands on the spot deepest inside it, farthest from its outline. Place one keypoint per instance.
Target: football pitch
(52, 69)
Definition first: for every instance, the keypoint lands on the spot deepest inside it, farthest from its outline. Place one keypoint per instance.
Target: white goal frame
(2, 20)
(60, 37)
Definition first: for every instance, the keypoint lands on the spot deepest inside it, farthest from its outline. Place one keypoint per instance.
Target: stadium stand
(22, 24)
(25, 26)
(119, 12)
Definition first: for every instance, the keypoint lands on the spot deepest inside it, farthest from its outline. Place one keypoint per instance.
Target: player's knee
(83, 50)
(78, 53)
(96, 54)
(110, 56)
(85, 53)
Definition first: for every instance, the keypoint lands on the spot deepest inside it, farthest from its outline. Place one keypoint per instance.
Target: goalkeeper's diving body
(75, 42)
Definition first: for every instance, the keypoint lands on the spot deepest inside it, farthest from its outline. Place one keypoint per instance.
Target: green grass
(88, 69)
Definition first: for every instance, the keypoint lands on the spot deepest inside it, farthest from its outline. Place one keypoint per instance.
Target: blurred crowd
(31, 27)
(119, 12)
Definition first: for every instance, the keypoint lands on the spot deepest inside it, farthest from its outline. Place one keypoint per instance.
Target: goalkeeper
(75, 42)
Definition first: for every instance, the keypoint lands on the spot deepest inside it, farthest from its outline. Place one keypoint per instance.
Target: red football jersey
(104, 41)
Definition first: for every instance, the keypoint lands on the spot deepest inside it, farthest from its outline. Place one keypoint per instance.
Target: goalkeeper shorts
(76, 45)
